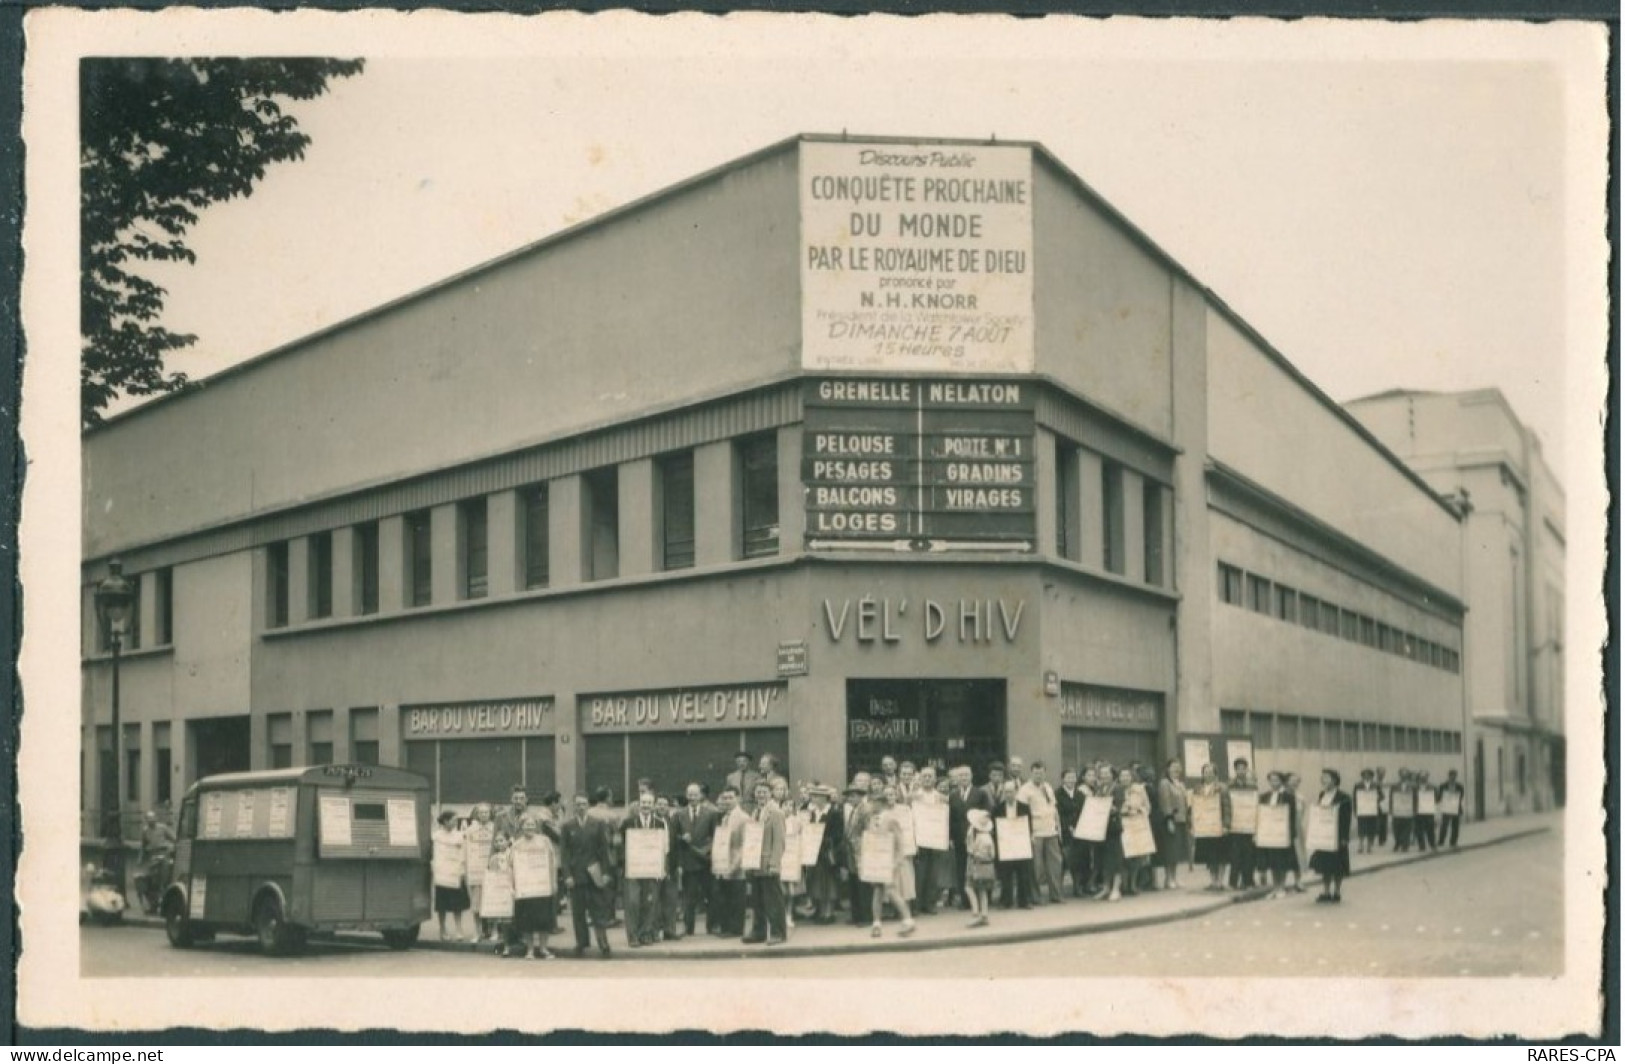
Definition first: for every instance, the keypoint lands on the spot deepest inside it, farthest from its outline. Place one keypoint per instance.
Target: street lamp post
(114, 598)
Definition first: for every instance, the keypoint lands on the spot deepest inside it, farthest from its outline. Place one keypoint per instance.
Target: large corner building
(845, 448)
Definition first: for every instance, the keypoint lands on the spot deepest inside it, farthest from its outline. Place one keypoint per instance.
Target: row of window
(161, 584)
(1259, 594)
(1070, 518)
(1285, 731)
(132, 761)
(757, 481)
(318, 745)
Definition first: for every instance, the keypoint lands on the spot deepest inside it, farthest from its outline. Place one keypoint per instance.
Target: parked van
(289, 852)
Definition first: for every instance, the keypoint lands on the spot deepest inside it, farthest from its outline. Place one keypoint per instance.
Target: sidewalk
(949, 930)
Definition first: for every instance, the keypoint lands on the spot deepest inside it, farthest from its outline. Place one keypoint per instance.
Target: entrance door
(929, 722)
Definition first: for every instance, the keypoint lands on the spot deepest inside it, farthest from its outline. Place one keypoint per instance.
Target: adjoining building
(849, 447)
(1471, 447)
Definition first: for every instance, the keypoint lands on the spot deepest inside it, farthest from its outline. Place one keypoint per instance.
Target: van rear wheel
(277, 937)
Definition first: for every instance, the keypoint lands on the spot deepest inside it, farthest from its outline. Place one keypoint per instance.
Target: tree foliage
(160, 139)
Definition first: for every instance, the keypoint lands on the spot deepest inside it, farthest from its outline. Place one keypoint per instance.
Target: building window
(1066, 476)
(1368, 631)
(319, 737)
(366, 566)
(419, 559)
(1385, 638)
(277, 561)
(1351, 735)
(536, 541)
(1385, 738)
(1368, 736)
(1351, 625)
(600, 492)
(676, 473)
(161, 765)
(364, 735)
(759, 495)
(1233, 722)
(279, 727)
(1309, 733)
(1328, 618)
(1286, 732)
(1258, 594)
(1286, 603)
(471, 522)
(1263, 725)
(163, 607)
(132, 763)
(1111, 516)
(1230, 585)
(1332, 733)
(1308, 611)
(321, 574)
(1152, 503)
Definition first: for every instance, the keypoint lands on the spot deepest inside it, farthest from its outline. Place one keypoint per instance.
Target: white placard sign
(1138, 839)
(447, 865)
(532, 868)
(1322, 829)
(1015, 837)
(790, 860)
(1403, 804)
(931, 825)
(1427, 803)
(916, 257)
(1274, 827)
(1207, 816)
(1092, 822)
(477, 840)
(1365, 803)
(335, 820)
(496, 895)
(812, 840)
(1198, 755)
(214, 812)
(403, 821)
(877, 857)
(245, 814)
(281, 819)
(721, 850)
(645, 853)
(1243, 811)
(1450, 803)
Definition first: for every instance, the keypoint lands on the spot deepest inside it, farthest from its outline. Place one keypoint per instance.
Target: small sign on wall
(792, 658)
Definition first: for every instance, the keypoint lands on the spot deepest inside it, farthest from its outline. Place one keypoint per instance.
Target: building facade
(1473, 448)
(844, 449)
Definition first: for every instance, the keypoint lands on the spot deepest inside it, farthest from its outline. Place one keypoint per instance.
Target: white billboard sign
(916, 257)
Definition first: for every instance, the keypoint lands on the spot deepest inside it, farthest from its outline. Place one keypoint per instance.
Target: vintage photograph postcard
(959, 524)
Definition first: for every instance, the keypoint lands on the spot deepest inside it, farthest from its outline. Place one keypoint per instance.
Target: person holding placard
(1402, 809)
(496, 897)
(477, 836)
(1452, 797)
(1382, 806)
(902, 802)
(1048, 872)
(1367, 809)
(1174, 805)
(1210, 810)
(1330, 819)
(1012, 835)
(1136, 841)
(822, 847)
(1427, 808)
(450, 875)
(1069, 801)
(696, 825)
(854, 814)
(644, 836)
(1277, 826)
(933, 871)
(791, 878)
(1242, 825)
(533, 857)
(882, 847)
(586, 854)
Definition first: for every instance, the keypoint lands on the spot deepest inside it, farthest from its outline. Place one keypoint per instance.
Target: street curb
(920, 945)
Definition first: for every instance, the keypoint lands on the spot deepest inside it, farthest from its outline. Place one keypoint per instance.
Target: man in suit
(671, 891)
(823, 876)
(1427, 808)
(586, 845)
(696, 826)
(642, 893)
(1013, 872)
(743, 778)
(762, 877)
(993, 789)
(1069, 801)
(727, 915)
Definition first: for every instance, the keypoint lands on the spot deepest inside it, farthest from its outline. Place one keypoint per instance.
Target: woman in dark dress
(1278, 861)
(1333, 865)
(1212, 850)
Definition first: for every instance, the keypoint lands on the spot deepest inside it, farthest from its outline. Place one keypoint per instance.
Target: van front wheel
(177, 926)
(277, 937)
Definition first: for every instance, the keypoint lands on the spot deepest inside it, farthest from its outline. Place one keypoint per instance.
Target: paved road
(1488, 912)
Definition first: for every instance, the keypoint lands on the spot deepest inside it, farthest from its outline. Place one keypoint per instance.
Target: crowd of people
(755, 856)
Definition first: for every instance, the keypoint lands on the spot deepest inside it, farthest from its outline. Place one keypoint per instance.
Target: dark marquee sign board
(924, 465)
